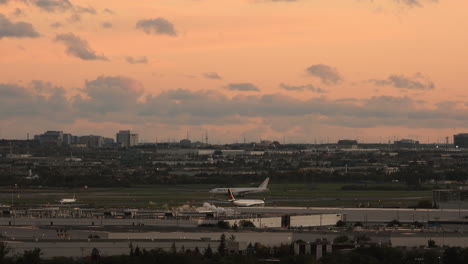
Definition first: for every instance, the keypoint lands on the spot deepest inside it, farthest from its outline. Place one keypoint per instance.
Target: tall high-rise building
(50, 138)
(133, 140)
(126, 139)
(67, 139)
(92, 141)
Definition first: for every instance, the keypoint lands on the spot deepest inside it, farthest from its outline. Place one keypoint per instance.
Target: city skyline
(204, 138)
(303, 71)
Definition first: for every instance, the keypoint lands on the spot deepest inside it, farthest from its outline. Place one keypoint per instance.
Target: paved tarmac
(370, 214)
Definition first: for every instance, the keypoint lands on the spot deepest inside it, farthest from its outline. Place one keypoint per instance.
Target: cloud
(139, 60)
(402, 4)
(300, 88)
(78, 47)
(212, 75)
(416, 82)
(157, 26)
(327, 74)
(56, 25)
(39, 99)
(18, 12)
(106, 25)
(410, 3)
(108, 94)
(9, 29)
(208, 107)
(108, 11)
(53, 5)
(121, 100)
(242, 87)
(86, 10)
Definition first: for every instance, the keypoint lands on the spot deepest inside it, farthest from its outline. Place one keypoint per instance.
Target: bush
(340, 223)
(418, 224)
(424, 204)
(224, 225)
(246, 223)
(340, 239)
(394, 223)
(362, 238)
(358, 224)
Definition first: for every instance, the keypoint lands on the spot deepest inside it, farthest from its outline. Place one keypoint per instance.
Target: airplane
(68, 200)
(242, 191)
(244, 202)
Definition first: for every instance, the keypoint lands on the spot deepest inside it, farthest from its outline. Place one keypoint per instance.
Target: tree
(222, 245)
(4, 250)
(431, 243)
(31, 256)
(208, 253)
(95, 254)
(173, 248)
(196, 251)
(250, 249)
(130, 245)
(137, 251)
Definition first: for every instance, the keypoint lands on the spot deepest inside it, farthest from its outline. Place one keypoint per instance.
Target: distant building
(75, 139)
(185, 143)
(108, 141)
(347, 144)
(92, 141)
(133, 140)
(67, 139)
(50, 138)
(461, 140)
(406, 143)
(126, 139)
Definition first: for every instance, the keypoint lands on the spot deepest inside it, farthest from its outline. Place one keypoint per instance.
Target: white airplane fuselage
(247, 203)
(242, 191)
(243, 202)
(66, 201)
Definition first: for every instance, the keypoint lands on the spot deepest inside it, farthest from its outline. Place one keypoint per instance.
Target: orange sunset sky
(295, 71)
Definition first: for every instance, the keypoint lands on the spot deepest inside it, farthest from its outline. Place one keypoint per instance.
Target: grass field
(167, 196)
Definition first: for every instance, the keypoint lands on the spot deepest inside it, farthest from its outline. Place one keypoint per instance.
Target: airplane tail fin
(264, 184)
(230, 195)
